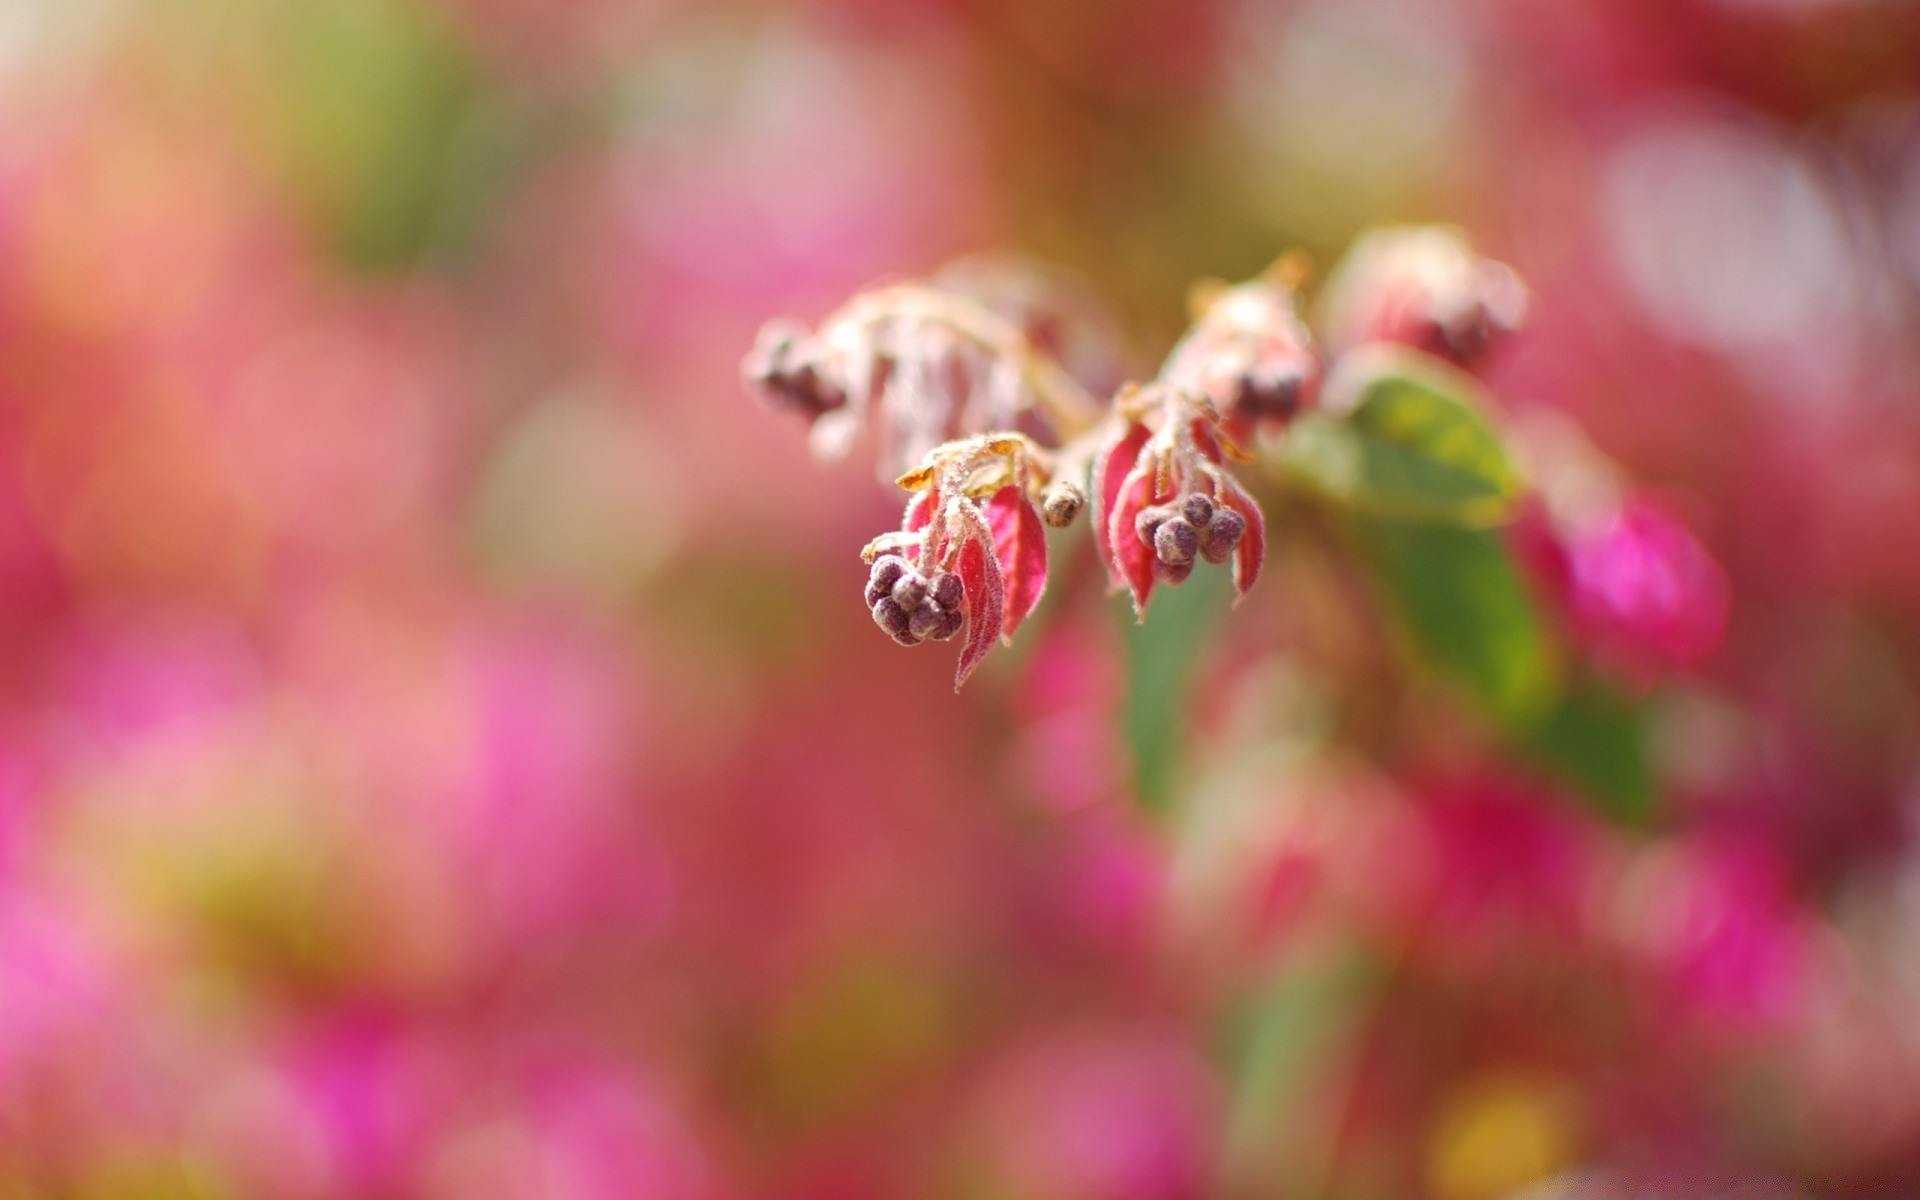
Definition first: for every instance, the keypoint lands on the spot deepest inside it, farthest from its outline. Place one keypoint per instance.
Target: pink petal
(1020, 545)
(1132, 559)
(1252, 550)
(986, 604)
(1110, 469)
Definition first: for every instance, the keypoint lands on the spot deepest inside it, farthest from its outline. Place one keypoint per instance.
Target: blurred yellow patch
(1498, 1134)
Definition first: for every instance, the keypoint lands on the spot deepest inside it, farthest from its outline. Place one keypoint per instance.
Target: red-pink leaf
(919, 510)
(1132, 561)
(1110, 470)
(1252, 550)
(1020, 545)
(1204, 439)
(985, 604)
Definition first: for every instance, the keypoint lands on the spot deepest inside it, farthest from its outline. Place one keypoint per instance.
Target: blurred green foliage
(1410, 444)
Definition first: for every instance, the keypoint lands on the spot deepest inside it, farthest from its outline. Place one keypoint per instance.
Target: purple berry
(1197, 509)
(886, 571)
(1167, 572)
(1223, 534)
(892, 618)
(950, 622)
(922, 622)
(910, 591)
(1147, 524)
(948, 591)
(1176, 542)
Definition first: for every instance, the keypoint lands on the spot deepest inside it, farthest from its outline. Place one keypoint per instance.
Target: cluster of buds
(917, 364)
(794, 372)
(1421, 287)
(1194, 529)
(911, 607)
(943, 372)
(971, 551)
(1248, 351)
(1166, 500)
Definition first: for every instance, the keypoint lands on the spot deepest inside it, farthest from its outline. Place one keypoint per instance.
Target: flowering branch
(946, 381)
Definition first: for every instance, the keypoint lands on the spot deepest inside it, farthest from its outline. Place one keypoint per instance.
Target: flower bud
(1167, 572)
(923, 621)
(1197, 509)
(1223, 534)
(1176, 542)
(887, 570)
(1269, 390)
(1061, 504)
(785, 366)
(910, 590)
(950, 621)
(892, 618)
(948, 592)
(1147, 524)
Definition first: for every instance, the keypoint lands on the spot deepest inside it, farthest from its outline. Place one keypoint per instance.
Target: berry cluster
(912, 607)
(1193, 527)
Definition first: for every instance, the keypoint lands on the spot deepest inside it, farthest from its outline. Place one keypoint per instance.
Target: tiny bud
(948, 591)
(886, 571)
(785, 365)
(1197, 509)
(892, 618)
(1269, 390)
(1223, 534)
(1147, 524)
(923, 621)
(1167, 572)
(950, 622)
(1061, 503)
(1176, 542)
(910, 590)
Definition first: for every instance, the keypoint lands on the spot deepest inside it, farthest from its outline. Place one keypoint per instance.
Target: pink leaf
(1020, 545)
(1251, 553)
(985, 604)
(1132, 560)
(1110, 470)
(1208, 444)
(919, 510)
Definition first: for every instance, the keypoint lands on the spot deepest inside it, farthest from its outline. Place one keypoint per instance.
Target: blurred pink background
(441, 754)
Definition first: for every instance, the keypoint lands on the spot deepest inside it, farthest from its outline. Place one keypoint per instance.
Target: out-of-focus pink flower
(1636, 586)
(372, 1096)
(579, 1131)
(1102, 1115)
(1067, 746)
(1505, 863)
(60, 990)
(1717, 920)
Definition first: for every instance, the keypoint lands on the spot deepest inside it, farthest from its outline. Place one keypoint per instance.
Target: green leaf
(1401, 434)
(1596, 741)
(1163, 656)
(1465, 613)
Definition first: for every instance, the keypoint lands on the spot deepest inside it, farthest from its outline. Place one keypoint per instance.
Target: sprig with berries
(985, 410)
